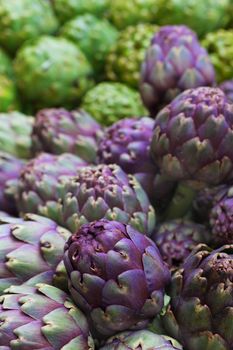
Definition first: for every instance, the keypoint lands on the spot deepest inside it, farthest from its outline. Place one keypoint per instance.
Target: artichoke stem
(181, 202)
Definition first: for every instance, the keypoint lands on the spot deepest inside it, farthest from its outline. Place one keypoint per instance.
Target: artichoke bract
(67, 9)
(57, 130)
(116, 276)
(31, 251)
(93, 193)
(94, 37)
(15, 134)
(220, 49)
(5, 65)
(131, 12)
(109, 102)
(201, 16)
(193, 137)
(227, 88)
(177, 238)
(127, 143)
(127, 54)
(201, 310)
(39, 179)
(8, 95)
(134, 340)
(10, 168)
(39, 64)
(174, 62)
(42, 317)
(21, 20)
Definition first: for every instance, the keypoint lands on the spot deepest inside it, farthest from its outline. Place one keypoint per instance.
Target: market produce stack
(116, 175)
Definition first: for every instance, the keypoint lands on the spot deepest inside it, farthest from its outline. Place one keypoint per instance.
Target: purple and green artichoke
(92, 193)
(193, 137)
(31, 251)
(116, 276)
(135, 340)
(177, 238)
(39, 179)
(41, 317)
(227, 88)
(174, 62)
(127, 143)
(200, 315)
(57, 130)
(10, 168)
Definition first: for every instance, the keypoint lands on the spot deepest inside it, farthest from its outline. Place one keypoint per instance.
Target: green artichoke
(41, 317)
(52, 71)
(5, 65)
(21, 20)
(67, 9)
(135, 340)
(201, 16)
(125, 58)
(219, 45)
(95, 192)
(124, 13)
(94, 37)
(35, 239)
(200, 315)
(15, 134)
(8, 95)
(57, 131)
(109, 102)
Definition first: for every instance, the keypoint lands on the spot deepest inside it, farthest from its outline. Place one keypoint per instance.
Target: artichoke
(35, 239)
(131, 12)
(95, 192)
(201, 16)
(8, 95)
(134, 340)
(38, 66)
(116, 276)
(175, 61)
(10, 168)
(127, 143)
(94, 37)
(220, 48)
(58, 131)
(67, 9)
(5, 65)
(126, 56)
(200, 314)
(177, 238)
(21, 20)
(41, 317)
(39, 179)
(227, 88)
(109, 102)
(193, 137)
(15, 134)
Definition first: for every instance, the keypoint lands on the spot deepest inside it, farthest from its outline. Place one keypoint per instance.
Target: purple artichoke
(41, 317)
(177, 238)
(200, 315)
(127, 143)
(31, 250)
(116, 276)
(10, 168)
(57, 131)
(175, 61)
(39, 179)
(193, 137)
(227, 88)
(92, 193)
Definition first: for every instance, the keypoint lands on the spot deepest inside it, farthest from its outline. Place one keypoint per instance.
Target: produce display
(116, 175)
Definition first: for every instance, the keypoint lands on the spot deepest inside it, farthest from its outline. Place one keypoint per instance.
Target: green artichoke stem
(181, 202)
